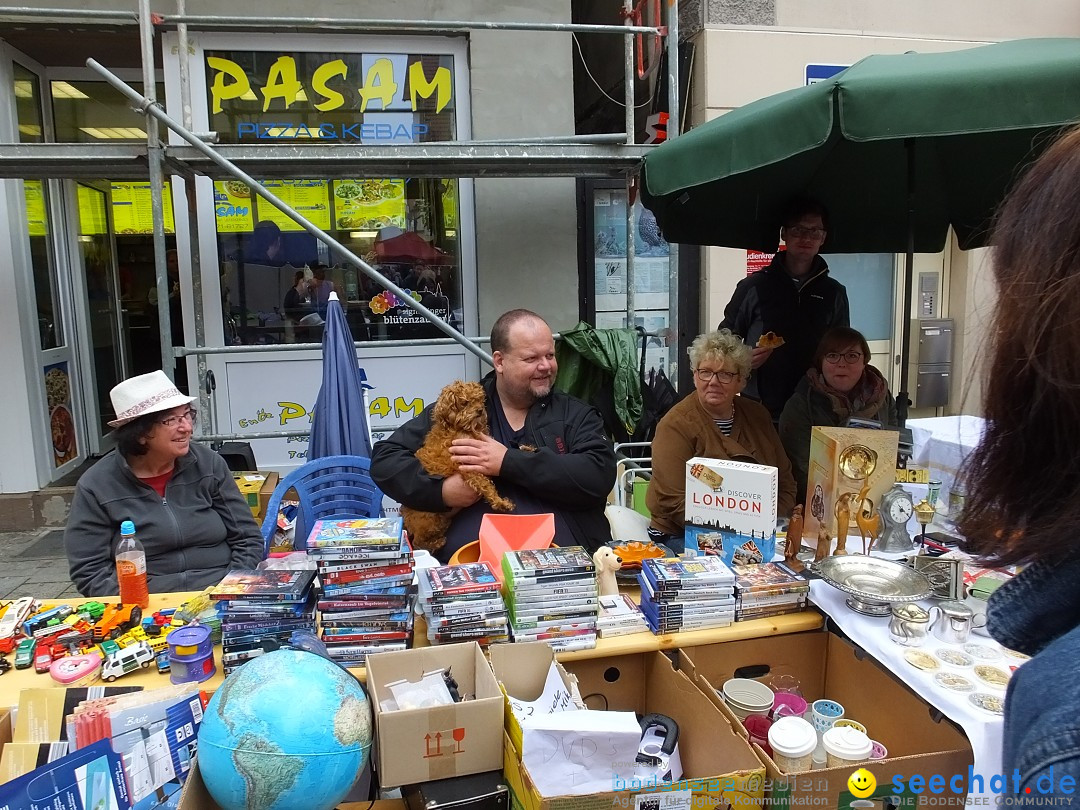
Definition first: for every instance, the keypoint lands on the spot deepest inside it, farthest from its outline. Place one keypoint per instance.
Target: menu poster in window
(36, 218)
(92, 219)
(233, 208)
(310, 198)
(133, 210)
(369, 204)
(61, 423)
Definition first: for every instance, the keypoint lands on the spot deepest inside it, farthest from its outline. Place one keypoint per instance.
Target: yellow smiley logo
(861, 783)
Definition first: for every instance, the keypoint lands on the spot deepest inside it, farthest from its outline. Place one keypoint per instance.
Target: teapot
(955, 621)
(909, 625)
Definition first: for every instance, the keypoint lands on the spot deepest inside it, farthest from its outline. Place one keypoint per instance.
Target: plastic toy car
(42, 661)
(116, 620)
(127, 660)
(162, 661)
(5, 665)
(24, 653)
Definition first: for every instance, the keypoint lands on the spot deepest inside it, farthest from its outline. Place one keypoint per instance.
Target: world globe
(287, 730)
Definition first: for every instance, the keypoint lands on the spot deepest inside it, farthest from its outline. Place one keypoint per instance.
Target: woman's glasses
(172, 421)
(851, 358)
(707, 376)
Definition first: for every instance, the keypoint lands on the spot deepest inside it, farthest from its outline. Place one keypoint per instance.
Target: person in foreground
(547, 451)
(715, 423)
(795, 298)
(1023, 480)
(188, 513)
(840, 385)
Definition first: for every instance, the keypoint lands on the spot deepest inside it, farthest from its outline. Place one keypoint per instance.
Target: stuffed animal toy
(607, 562)
(459, 412)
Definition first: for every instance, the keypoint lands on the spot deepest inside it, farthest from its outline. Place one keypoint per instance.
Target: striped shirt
(725, 425)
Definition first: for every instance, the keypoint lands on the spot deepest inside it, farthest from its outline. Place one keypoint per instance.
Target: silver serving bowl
(873, 585)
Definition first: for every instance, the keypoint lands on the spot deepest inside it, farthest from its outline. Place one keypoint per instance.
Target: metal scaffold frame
(605, 155)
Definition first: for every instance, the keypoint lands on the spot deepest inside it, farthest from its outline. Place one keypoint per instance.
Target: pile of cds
(551, 595)
(767, 590)
(679, 594)
(463, 603)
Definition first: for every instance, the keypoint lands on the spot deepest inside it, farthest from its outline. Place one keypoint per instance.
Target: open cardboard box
(719, 767)
(195, 796)
(256, 486)
(829, 667)
(521, 670)
(421, 745)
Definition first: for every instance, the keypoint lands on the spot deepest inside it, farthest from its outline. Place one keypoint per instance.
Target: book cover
(268, 584)
(544, 564)
(735, 495)
(86, 779)
(376, 534)
(766, 578)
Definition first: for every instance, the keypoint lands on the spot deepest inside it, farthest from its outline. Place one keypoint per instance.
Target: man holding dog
(547, 451)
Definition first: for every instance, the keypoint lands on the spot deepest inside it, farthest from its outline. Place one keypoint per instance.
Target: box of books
(846, 461)
(730, 509)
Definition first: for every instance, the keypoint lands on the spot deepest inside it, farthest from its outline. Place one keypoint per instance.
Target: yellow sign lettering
(420, 86)
(220, 91)
(379, 84)
(290, 411)
(414, 407)
(281, 82)
(323, 73)
(380, 406)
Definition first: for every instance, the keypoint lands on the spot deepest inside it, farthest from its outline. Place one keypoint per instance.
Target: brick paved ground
(33, 564)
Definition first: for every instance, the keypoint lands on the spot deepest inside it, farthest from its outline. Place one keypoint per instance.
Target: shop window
(275, 276)
(95, 112)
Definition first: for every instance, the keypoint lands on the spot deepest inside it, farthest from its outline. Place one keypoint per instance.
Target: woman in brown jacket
(714, 423)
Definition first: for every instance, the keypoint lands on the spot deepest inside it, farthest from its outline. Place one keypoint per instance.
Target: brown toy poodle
(459, 412)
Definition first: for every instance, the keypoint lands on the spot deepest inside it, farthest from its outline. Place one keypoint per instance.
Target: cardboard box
(418, 745)
(195, 796)
(521, 670)
(720, 769)
(827, 666)
(256, 487)
(826, 483)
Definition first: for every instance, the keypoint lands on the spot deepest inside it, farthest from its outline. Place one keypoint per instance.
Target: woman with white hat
(188, 513)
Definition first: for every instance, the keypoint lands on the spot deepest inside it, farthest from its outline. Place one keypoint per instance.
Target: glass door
(109, 344)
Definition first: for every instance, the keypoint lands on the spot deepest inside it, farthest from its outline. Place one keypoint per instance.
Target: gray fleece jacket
(192, 536)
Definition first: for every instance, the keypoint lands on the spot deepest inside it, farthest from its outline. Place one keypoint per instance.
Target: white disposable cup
(845, 745)
(793, 741)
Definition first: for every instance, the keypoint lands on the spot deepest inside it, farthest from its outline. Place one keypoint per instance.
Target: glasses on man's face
(802, 230)
(707, 376)
(172, 421)
(851, 358)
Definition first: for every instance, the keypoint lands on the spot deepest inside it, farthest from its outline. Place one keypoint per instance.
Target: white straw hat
(146, 393)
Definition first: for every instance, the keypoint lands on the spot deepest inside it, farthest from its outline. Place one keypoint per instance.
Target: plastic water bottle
(131, 568)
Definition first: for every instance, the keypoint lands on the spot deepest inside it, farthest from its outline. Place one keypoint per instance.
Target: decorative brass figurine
(843, 522)
(924, 513)
(793, 541)
(824, 544)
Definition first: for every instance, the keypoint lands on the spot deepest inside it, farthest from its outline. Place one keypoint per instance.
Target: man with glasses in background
(794, 298)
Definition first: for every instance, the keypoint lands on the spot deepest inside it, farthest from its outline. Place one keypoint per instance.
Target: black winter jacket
(570, 473)
(769, 301)
(192, 536)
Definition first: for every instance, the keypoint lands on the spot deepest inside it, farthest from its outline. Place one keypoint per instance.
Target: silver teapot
(955, 621)
(909, 625)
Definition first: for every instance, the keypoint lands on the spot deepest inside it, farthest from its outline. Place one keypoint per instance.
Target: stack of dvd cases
(680, 594)
(767, 590)
(260, 610)
(463, 603)
(366, 581)
(551, 595)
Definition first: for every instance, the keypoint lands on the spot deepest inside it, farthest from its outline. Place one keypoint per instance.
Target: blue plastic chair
(330, 487)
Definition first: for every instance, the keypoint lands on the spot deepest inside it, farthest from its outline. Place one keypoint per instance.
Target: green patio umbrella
(899, 147)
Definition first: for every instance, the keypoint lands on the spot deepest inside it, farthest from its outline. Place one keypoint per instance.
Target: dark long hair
(129, 436)
(1022, 482)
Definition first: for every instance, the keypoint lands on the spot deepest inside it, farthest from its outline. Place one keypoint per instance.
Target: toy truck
(24, 653)
(116, 620)
(135, 656)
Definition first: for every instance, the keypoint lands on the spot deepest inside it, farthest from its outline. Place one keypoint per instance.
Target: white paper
(554, 698)
(575, 753)
(254, 477)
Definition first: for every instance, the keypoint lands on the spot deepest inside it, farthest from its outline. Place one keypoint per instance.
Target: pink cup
(877, 750)
(787, 704)
(758, 727)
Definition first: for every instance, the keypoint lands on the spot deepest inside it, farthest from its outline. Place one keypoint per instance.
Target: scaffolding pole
(152, 108)
(432, 26)
(674, 114)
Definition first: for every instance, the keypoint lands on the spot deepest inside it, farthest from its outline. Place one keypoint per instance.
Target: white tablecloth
(983, 730)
